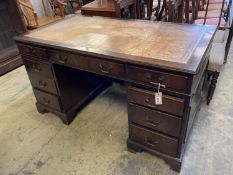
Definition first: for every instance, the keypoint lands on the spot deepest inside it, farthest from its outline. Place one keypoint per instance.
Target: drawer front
(38, 68)
(43, 83)
(153, 78)
(153, 140)
(65, 58)
(155, 120)
(107, 67)
(172, 105)
(47, 99)
(33, 51)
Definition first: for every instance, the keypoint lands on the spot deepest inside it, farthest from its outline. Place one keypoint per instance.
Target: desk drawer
(152, 78)
(38, 68)
(155, 120)
(172, 105)
(43, 83)
(33, 51)
(107, 67)
(49, 100)
(153, 140)
(65, 58)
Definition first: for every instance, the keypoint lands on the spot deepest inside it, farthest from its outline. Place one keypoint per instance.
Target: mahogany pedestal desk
(70, 61)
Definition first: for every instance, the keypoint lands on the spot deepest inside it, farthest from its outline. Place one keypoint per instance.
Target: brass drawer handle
(45, 101)
(157, 84)
(36, 68)
(161, 79)
(107, 70)
(151, 143)
(42, 84)
(147, 99)
(31, 50)
(152, 123)
(63, 59)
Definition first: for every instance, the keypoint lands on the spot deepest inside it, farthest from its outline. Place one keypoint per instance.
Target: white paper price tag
(158, 98)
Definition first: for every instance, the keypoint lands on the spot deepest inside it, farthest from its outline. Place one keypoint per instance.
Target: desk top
(179, 47)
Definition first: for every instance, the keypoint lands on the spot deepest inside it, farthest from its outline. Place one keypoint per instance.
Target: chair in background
(58, 7)
(218, 56)
(166, 10)
(145, 9)
(196, 11)
(216, 60)
(217, 12)
(30, 16)
(76, 4)
(175, 11)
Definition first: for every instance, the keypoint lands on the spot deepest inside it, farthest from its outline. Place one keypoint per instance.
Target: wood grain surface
(167, 44)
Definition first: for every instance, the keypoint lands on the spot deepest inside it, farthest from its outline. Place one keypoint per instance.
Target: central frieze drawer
(153, 140)
(172, 105)
(64, 58)
(43, 83)
(38, 67)
(32, 51)
(107, 67)
(153, 78)
(48, 100)
(155, 120)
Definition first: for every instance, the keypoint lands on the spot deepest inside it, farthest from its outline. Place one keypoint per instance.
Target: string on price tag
(158, 96)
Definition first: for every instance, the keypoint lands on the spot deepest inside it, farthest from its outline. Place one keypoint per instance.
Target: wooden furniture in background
(191, 8)
(30, 17)
(218, 56)
(217, 13)
(213, 13)
(195, 10)
(111, 8)
(145, 9)
(173, 57)
(63, 7)
(174, 11)
(77, 4)
(11, 25)
(58, 7)
(166, 10)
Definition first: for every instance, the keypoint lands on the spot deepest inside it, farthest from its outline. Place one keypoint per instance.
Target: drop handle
(152, 123)
(157, 84)
(147, 99)
(31, 50)
(36, 68)
(42, 84)
(45, 101)
(151, 143)
(105, 70)
(160, 79)
(63, 59)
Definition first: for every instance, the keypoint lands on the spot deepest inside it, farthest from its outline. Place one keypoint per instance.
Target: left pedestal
(59, 89)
